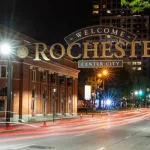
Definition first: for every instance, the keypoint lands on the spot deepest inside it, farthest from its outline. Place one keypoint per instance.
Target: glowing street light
(108, 101)
(105, 72)
(100, 75)
(5, 49)
(140, 92)
(136, 92)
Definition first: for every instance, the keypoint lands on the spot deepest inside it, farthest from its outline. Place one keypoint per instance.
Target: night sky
(48, 21)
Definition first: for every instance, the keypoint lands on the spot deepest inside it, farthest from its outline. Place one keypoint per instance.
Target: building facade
(39, 88)
(111, 13)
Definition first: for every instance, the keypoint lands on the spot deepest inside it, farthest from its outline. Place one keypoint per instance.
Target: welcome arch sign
(126, 38)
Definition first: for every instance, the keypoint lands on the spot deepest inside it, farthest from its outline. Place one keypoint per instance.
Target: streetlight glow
(105, 72)
(99, 75)
(108, 101)
(136, 92)
(5, 49)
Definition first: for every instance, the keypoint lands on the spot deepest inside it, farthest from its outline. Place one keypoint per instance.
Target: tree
(136, 5)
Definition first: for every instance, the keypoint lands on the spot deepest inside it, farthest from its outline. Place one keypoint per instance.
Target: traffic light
(140, 93)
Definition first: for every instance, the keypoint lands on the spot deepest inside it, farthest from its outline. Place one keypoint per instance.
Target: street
(125, 130)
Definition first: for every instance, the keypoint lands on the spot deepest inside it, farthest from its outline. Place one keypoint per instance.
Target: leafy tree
(136, 5)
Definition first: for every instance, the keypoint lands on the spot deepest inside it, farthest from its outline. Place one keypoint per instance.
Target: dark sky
(48, 21)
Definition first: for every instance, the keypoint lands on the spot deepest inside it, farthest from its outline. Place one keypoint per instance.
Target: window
(69, 81)
(139, 68)
(45, 95)
(53, 78)
(3, 71)
(95, 6)
(134, 68)
(108, 36)
(133, 63)
(33, 94)
(2, 105)
(108, 11)
(33, 75)
(129, 63)
(95, 12)
(104, 6)
(44, 77)
(62, 80)
(139, 63)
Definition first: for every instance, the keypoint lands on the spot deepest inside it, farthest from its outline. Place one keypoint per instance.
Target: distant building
(34, 83)
(111, 13)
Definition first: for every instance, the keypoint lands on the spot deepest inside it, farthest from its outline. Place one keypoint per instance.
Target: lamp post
(6, 50)
(54, 99)
(103, 74)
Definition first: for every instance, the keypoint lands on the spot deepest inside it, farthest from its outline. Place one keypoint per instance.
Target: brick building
(39, 88)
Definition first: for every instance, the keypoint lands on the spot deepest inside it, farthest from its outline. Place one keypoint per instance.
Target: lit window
(134, 68)
(3, 71)
(95, 12)
(33, 75)
(104, 6)
(108, 11)
(139, 63)
(133, 63)
(95, 6)
(139, 68)
(108, 36)
(129, 63)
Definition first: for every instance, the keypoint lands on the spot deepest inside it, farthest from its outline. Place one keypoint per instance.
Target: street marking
(101, 148)
(22, 146)
(79, 134)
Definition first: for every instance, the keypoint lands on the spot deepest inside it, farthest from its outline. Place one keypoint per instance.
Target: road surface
(125, 130)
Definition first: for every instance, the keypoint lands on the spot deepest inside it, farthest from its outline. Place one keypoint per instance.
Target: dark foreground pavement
(126, 131)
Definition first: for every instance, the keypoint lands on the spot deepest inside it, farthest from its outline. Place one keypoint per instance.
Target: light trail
(78, 127)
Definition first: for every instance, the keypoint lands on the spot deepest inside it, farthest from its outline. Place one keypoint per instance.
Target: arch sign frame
(85, 60)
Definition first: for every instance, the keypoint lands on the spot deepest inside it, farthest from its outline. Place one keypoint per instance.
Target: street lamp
(136, 92)
(103, 74)
(54, 99)
(100, 75)
(5, 49)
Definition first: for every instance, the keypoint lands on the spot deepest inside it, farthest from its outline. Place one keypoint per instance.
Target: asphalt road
(128, 130)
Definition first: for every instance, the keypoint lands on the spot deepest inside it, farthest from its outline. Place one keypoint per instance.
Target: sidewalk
(32, 125)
